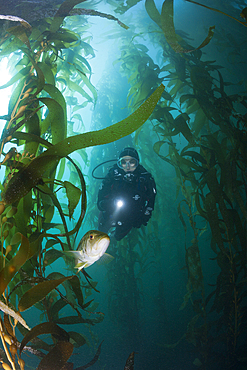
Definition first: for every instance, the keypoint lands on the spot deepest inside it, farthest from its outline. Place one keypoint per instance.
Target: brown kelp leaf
(169, 29)
(153, 12)
(77, 338)
(81, 11)
(130, 362)
(11, 268)
(44, 328)
(73, 194)
(21, 31)
(8, 326)
(202, 83)
(57, 357)
(51, 256)
(194, 267)
(38, 292)
(83, 199)
(213, 219)
(181, 124)
(27, 178)
(62, 12)
(68, 366)
(76, 287)
(56, 307)
(13, 18)
(31, 174)
(156, 149)
(68, 320)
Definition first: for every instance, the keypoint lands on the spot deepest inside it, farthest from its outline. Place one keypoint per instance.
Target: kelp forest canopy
(178, 96)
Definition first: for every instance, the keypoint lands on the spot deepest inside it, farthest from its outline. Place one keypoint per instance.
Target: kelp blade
(38, 292)
(57, 357)
(30, 175)
(11, 268)
(44, 328)
(169, 29)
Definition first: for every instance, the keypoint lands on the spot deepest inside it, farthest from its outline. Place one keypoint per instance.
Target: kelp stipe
(211, 176)
(50, 61)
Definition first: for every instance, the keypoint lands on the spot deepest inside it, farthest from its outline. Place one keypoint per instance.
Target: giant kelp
(51, 65)
(211, 175)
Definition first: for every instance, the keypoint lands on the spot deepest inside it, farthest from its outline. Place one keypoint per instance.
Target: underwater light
(119, 203)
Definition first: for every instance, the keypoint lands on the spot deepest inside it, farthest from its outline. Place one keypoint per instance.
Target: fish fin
(81, 265)
(73, 254)
(105, 259)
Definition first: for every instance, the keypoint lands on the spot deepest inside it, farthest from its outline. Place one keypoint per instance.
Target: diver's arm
(104, 194)
(150, 200)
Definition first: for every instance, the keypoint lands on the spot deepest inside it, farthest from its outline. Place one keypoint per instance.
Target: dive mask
(129, 163)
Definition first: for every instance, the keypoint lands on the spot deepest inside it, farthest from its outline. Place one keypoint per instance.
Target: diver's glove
(147, 215)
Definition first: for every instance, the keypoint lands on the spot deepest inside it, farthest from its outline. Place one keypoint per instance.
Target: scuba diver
(126, 195)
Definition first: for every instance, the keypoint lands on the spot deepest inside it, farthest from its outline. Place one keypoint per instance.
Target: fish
(91, 248)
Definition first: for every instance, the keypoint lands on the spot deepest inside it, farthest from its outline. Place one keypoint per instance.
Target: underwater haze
(80, 81)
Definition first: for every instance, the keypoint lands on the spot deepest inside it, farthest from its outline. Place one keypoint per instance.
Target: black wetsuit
(136, 190)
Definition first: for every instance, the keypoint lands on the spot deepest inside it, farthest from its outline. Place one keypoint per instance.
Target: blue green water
(146, 294)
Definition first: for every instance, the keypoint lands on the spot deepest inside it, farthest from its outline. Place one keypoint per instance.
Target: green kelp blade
(99, 14)
(153, 12)
(38, 292)
(31, 174)
(76, 287)
(21, 74)
(77, 338)
(62, 12)
(73, 194)
(83, 199)
(55, 119)
(44, 328)
(11, 268)
(27, 178)
(57, 357)
(51, 256)
(169, 29)
(180, 123)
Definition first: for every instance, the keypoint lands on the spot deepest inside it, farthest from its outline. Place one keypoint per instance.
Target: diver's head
(128, 159)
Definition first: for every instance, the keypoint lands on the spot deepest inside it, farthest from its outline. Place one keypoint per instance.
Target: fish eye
(91, 236)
